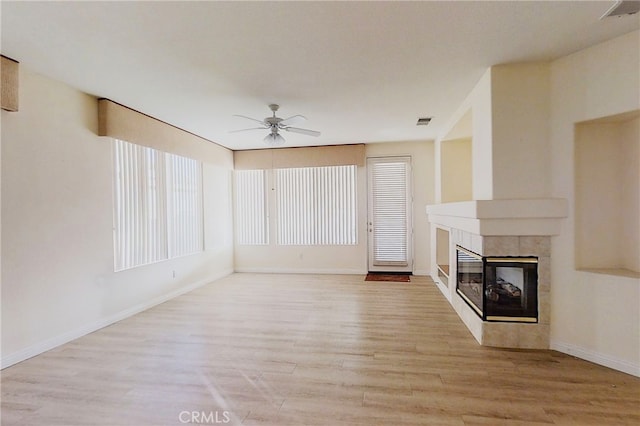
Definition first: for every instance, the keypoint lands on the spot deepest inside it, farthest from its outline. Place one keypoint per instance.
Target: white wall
(593, 316)
(482, 124)
(520, 113)
(57, 250)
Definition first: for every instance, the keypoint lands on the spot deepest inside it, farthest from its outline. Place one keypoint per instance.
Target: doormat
(399, 278)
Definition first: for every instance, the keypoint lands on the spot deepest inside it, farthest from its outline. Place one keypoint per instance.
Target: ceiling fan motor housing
(273, 121)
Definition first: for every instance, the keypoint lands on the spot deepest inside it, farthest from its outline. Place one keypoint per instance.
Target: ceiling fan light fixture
(274, 139)
(275, 125)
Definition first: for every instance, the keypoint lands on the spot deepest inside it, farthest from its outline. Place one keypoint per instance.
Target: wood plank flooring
(308, 350)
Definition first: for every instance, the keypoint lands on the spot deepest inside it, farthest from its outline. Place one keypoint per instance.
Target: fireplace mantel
(501, 217)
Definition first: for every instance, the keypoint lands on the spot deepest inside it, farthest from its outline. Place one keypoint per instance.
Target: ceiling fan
(275, 124)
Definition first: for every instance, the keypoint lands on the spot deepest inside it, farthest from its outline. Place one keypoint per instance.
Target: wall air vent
(623, 7)
(423, 121)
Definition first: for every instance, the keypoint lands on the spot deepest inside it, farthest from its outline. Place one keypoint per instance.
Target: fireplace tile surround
(505, 334)
(476, 226)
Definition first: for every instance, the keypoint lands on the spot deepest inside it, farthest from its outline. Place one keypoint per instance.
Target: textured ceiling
(359, 71)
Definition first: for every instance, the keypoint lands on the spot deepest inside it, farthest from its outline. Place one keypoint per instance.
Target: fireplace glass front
(498, 288)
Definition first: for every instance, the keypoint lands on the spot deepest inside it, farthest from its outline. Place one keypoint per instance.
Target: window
(316, 205)
(157, 205)
(251, 207)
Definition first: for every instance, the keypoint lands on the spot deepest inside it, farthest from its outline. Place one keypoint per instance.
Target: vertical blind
(184, 189)
(390, 203)
(157, 199)
(140, 235)
(251, 207)
(316, 205)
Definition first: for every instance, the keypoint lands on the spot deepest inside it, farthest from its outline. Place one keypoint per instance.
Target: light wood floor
(308, 350)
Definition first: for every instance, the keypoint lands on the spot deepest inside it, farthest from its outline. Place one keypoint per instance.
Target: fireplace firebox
(501, 288)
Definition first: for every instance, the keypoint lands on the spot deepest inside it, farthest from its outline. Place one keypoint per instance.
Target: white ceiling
(359, 71)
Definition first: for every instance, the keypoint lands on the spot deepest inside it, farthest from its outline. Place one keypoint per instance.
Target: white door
(389, 214)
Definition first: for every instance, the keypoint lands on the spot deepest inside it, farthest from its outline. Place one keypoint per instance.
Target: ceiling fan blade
(244, 130)
(249, 118)
(302, 131)
(293, 120)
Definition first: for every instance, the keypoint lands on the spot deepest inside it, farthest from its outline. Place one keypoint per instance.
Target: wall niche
(442, 255)
(607, 195)
(456, 162)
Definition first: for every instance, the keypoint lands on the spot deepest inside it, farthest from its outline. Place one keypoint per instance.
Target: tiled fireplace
(499, 267)
(527, 328)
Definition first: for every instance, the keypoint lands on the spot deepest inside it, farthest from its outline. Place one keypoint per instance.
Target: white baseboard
(302, 271)
(443, 289)
(56, 341)
(419, 272)
(595, 357)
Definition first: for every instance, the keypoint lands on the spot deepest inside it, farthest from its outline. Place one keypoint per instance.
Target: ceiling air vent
(622, 7)
(423, 121)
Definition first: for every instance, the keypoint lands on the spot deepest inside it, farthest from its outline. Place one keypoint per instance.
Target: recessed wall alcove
(607, 195)
(456, 170)
(443, 255)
